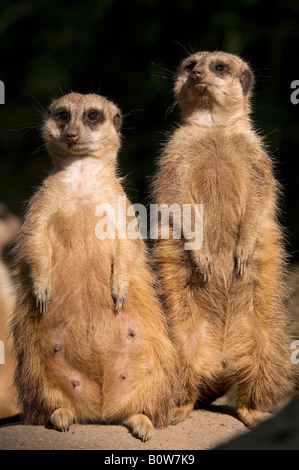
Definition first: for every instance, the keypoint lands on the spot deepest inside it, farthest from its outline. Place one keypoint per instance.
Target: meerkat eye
(62, 115)
(221, 68)
(190, 66)
(95, 116)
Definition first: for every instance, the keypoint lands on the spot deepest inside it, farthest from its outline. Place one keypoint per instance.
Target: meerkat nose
(72, 137)
(197, 74)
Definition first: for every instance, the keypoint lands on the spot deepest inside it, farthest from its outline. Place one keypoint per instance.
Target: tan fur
(9, 226)
(90, 338)
(224, 300)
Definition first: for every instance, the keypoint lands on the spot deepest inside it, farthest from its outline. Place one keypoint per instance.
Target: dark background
(128, 51)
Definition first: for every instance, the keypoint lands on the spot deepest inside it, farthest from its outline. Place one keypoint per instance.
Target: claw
(119, 302)
(243, 264)
(119, 294)
(42, 301)
(205, 270)
(43, 305)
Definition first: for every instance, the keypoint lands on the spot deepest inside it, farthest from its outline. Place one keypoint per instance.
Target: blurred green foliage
(128, 51)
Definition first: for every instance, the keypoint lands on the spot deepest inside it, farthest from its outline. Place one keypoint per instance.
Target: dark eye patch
(95, 116)
(62, 115)
(190, 65)
(220, 68)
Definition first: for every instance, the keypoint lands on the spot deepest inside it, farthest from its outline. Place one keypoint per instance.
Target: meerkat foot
(180, 413)
(62, 419)
(203, 265)
(119, 302)
(119, 294)
(42, 293)
(250, 418)
(243, 258)
(140, 426)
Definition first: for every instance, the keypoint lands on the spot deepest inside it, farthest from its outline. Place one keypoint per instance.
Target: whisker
(189, 52)
(160, 76)
(39, 148)
(170, 109)
(169, 73)
(60, 89)
(25, 127)
(131, 113)
(40, 108)
(24, 133)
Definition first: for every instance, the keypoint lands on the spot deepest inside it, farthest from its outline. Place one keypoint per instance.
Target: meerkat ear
(117, 121)
(246, 80)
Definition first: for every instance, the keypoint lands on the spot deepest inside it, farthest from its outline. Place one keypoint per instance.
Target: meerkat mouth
(75, 146)
(72, 148)
(202, 84)
(201, 89)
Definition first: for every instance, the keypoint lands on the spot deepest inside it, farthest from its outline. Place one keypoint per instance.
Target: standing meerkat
(9, 226)
(89, 336)
(224, 300)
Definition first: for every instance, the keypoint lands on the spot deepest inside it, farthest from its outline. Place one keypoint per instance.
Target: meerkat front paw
(242, 258)
(140, 426)
(203, 262)
(62, 419)
(42, 294)
(119, 293)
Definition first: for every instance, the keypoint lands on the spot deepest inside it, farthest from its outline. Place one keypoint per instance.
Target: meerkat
(90, 337)
(224, 299)
(9, 227)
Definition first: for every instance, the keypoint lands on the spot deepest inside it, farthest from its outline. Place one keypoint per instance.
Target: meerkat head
(215, 82)
(82, 125)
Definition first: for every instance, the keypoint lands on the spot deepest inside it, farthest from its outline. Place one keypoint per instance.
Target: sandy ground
(202, 430)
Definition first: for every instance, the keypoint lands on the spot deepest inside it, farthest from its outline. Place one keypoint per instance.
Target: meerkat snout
(197, 74)
(71, 137)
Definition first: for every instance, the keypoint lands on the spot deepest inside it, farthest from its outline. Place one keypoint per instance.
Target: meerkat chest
(85, 183)
(84, 188)
(217, 157)
(218, 174)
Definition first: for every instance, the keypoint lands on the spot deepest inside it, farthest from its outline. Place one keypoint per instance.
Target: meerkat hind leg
(250, 417)
(140, 426)
(62, 418)
(180, 413)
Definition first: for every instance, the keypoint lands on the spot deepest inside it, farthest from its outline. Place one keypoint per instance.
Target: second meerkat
(224, 300)
(90, 338)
